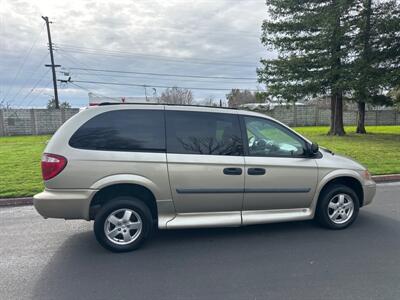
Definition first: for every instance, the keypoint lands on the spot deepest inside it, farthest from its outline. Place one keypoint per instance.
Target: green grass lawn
(20, 173)
(379, 151)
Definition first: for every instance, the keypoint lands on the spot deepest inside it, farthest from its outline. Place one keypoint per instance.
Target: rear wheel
(123, 224)
(337, 207)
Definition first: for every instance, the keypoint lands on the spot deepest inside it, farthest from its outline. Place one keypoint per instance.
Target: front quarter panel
(327, 175)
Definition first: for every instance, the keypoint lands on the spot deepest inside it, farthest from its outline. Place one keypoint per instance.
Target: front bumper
(369, 192)
(64, 204)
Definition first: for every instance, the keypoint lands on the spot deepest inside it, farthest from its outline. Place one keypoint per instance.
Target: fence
(44, 121)
(33, 121)
(309, 115)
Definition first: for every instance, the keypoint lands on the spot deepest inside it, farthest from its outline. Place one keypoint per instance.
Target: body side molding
(246, 190)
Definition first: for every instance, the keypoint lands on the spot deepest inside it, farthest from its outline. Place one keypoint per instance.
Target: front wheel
(123, 224)
(338, 207)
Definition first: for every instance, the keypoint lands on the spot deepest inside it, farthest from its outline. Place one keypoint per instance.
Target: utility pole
(145, 92)
(52, 65)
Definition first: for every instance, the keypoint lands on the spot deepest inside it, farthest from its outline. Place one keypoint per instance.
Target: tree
(209, 101)
(313, 45)
(395, 96)
(237, 97)
(51, 104)
(177, 95)
(377, 50)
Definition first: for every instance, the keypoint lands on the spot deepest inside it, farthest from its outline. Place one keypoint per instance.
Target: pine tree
(313, 45)
(377, 49)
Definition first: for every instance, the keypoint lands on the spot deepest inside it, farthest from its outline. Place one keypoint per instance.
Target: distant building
(95, 99)
(325, 102)
(268, 105)
(348, 104)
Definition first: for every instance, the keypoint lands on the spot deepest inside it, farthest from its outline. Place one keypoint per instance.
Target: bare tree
(177, 95)
(209, 101)
(51, 104)
(237, 97)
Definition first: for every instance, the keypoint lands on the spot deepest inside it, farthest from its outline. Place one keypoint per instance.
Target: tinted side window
(122, 130)
(203, 133)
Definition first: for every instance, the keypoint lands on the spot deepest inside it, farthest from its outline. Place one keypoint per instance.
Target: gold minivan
(134, 167)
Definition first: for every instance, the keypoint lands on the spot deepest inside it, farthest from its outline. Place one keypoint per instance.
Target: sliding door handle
(256, 171)
(233, 171)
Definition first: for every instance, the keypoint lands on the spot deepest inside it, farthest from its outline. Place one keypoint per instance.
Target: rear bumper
(369, 192)
(64, 204)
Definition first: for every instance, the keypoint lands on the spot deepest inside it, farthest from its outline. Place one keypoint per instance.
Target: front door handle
(233, 171)
(256, 171)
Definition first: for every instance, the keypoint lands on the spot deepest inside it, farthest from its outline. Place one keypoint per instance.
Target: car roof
(191, 107)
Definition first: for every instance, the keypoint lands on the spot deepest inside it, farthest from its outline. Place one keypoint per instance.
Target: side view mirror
(313, 148)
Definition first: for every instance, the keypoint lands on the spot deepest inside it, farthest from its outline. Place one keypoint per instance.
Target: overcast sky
(217, 38)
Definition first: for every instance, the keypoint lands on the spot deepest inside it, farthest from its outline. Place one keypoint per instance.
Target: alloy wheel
(340, 208)
(123, 226)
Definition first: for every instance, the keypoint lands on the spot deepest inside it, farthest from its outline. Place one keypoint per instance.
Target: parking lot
(57, 259)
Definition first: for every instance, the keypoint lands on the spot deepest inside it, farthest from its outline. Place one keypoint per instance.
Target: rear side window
(203, 133)
(122, 130)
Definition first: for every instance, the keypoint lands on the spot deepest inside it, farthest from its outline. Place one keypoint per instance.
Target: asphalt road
(56, 259)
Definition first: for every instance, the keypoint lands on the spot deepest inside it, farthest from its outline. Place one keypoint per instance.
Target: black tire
(332, 193)
(120, 203)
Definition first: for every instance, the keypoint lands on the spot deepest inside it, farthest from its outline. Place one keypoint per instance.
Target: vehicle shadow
(222, 262)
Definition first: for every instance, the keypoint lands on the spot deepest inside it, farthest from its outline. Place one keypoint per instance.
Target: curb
(16, 201)
(386, 178)
(29, 200)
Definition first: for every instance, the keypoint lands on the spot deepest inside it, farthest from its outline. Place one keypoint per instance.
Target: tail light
(52, 165)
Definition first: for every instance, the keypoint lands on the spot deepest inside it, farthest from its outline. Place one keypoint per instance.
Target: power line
(72, 59)
(89, 71)
(168, 59)
(151, 85)
(153, 78)
(34, 86)
(23, 62)
(235, 33)
(23, 86)
(175, 59)
(69, 46)
(163, 74)
(89, 91)
(38, 94)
